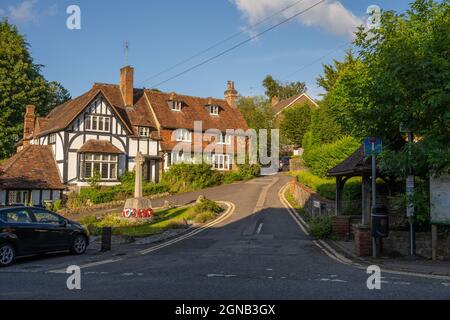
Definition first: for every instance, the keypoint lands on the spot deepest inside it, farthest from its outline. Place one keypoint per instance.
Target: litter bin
(380, 221)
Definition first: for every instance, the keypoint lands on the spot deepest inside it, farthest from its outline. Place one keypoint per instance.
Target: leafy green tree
(295, 123)
(332, 71)
(275, 88)
(21, 83)
(401, 79)
(257, 111)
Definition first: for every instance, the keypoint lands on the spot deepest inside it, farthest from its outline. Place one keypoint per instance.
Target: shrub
(207, 205)
(322, 158)
(88, 220)
(320, 226)
(187, 177)
(326, 187)
(249, 171)
(204, 217)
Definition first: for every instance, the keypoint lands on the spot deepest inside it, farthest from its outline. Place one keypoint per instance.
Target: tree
(20, 84)
(295, 123)
(257, 111)
(332, 72)
(401, 78)
(275, 88)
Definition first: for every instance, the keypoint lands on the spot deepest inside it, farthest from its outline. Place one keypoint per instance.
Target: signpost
(373, 147)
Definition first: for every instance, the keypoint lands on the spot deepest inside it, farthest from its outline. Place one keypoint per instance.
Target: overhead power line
(220, 42)
(239, 44)
(316, 60)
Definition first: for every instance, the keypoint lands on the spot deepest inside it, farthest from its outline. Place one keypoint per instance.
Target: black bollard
(106, 239)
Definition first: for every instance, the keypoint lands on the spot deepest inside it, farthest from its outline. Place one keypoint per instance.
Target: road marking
(333, 254)
(224, 216)
(298, 220)
(263, 195)
(192, 233)
(88, 265)
(259, 228)
(219, 275)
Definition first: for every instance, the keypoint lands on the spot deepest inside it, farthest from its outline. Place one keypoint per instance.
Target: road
(256, 253)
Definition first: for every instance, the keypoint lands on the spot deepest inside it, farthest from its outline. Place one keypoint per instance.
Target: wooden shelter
(356, 165)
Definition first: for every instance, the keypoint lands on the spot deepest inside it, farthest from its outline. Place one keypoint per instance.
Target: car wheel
(7, 254)
(79, 245)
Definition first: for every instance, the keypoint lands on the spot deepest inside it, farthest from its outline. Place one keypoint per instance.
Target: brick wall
(363, 241)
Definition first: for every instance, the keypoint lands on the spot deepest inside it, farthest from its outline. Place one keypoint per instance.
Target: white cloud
(330, 15)
(26, 12)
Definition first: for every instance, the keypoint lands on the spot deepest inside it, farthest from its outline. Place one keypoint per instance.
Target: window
(17, 216)
(181, 157)
(221, 162)
(224, 139)
(214, 110)
(144, 132)
(97, 123)
(183, 135)
(52, 138)
(105, 165)
(18, 197)
(175, 105)
(43, 216)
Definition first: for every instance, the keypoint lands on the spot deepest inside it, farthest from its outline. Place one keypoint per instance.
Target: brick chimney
(127, 85)
(275, 101)
(231, 94)
(28, 124)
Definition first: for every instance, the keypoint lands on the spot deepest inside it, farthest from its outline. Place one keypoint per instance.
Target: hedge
(322, 158)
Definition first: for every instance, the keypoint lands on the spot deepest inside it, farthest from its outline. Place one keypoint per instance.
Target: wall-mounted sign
(440, 199)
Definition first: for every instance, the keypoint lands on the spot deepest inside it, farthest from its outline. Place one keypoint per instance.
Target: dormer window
(183, 135)
(214, 110)
(175, 105)
(224, 139)
(144, 132)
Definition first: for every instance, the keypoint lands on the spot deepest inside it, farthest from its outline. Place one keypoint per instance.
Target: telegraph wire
(220, 42)
(239, 44)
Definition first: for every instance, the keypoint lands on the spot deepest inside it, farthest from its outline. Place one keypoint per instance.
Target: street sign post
(373, 147)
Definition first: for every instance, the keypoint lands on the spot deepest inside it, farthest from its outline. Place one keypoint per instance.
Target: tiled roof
(194, 109)
(298, 99)
(99, 146)
(34, 167)
(356, 164)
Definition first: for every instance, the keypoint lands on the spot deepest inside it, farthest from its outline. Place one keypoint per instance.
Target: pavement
(258, 251)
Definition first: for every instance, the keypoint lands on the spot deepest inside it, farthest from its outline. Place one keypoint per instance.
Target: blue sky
(163, 33)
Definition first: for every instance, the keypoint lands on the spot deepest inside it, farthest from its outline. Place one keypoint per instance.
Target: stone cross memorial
(138, 207)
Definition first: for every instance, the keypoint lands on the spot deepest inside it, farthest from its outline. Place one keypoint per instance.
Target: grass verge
(163, 220)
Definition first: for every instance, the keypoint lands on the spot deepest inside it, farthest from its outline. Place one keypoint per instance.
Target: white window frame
(52, 138)
(108, 162)
(180, 157)
(144, 132)
(221, 162)
(99, 120)
(183, 135)
(175, 105)
(214, 110)
(24, 195)
(224, 139)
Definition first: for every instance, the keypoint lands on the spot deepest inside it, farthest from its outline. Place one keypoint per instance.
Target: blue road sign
(368, 146)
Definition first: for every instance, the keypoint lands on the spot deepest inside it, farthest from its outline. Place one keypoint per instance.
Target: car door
(20, 224)
(55, 231)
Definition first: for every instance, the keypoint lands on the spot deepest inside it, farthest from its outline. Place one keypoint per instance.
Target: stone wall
(398, 244)
(308, 199)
